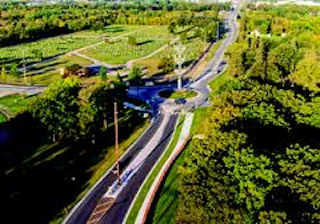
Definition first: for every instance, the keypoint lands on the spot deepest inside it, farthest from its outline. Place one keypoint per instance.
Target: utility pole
(179, 58)
(24, 67)
(116, 140)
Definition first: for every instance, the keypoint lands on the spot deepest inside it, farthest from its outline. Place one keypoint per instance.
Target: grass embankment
(204, 63)
(178, 94)
(99, 169)
(217, 83)
(2, 118)
(146, 186)
(16, 103)
(163, 210)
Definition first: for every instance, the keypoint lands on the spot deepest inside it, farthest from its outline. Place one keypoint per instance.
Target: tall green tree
(135, 75)
(4, 75)
(103, 73)
(57, 109)
(14, 70)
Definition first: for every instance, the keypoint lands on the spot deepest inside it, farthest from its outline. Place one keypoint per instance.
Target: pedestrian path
(135, 165)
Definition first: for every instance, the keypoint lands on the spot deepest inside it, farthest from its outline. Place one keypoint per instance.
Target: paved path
(137, 162)
(16, 89)
(183, 138)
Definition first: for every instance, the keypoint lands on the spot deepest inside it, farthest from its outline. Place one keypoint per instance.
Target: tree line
(27, 23)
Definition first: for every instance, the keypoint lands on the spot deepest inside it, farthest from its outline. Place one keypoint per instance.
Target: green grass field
(2, 118)
(48, 72)
(145, 188)
(16, 103)
(54, 46)
(119, 52)
(177, 94)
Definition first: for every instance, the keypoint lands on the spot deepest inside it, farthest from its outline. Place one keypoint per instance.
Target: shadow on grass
(46, 65)
(40, 178)
(145, 42)
(115, 29)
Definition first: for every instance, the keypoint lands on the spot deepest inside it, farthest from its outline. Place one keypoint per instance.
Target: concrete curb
(83, 199)
(149, 174)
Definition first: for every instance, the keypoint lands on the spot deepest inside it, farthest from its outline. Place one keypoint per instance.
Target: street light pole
(116, 141)
(179, 57)
(24, 68)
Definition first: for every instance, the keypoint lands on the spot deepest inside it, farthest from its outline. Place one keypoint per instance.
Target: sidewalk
(135, 165)
(183, 138)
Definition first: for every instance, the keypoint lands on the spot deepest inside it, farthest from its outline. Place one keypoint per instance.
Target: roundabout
(177, 94)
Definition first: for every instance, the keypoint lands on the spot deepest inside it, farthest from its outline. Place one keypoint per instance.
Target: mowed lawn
(194, 49)
(148, 40)
(49, 72)
(16, 102)
(54, 46)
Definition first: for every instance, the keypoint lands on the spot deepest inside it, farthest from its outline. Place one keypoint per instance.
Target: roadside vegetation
(144, 189)
(260, 140)
(179, 94)
(164, 207)
(16, 103)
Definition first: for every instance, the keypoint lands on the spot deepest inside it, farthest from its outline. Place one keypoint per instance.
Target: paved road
(118, 211)
(15, 89)
(81, 214)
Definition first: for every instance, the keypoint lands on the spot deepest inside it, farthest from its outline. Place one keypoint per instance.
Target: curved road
(116, 214)
(82, 212)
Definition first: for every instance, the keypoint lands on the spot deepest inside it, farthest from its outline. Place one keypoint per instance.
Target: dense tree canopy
(259, 159)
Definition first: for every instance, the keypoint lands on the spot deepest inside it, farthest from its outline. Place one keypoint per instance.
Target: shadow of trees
(40, 178)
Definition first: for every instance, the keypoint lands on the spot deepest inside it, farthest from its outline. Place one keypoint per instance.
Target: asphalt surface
(82, 213)
(118, 211)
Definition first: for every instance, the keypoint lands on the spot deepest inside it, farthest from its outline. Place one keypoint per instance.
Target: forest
(258, 160)
(21, 23)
